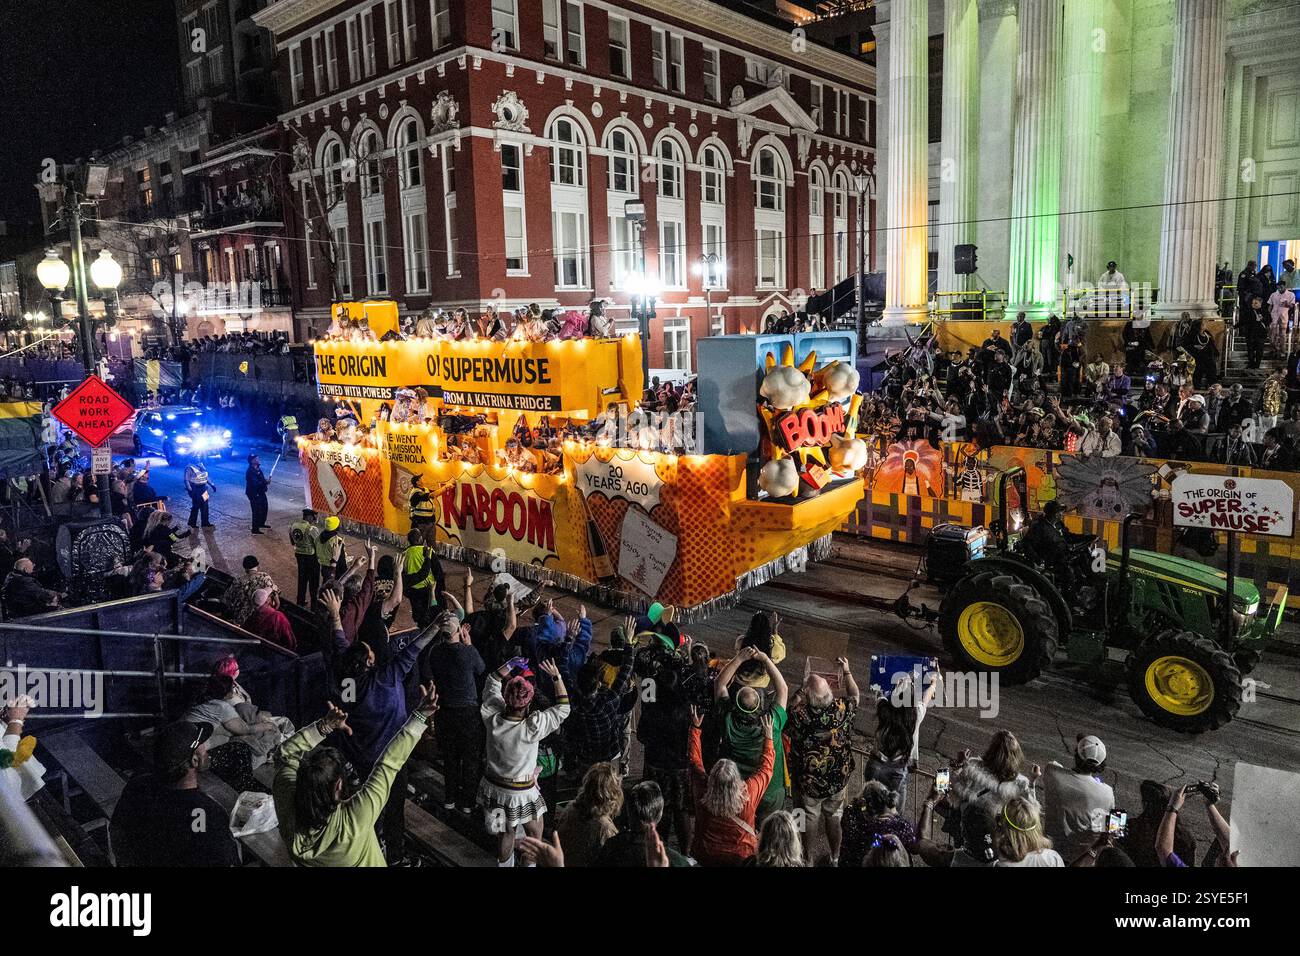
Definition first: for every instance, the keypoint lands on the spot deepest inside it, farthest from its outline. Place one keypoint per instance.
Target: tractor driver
(1050, 543)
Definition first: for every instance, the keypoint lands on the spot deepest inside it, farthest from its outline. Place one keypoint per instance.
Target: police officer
(422, 505)
(303, 535)
(255, 485)
(199, 486)
(288, 429)
(422, 575)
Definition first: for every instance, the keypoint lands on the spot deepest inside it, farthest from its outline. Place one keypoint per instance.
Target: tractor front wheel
(1185, 682)
(996, 622)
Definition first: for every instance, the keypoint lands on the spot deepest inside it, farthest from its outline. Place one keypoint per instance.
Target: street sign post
(1263, 506)
(93, 411)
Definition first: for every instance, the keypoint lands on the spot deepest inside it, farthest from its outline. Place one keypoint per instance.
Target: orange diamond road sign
(93, 410)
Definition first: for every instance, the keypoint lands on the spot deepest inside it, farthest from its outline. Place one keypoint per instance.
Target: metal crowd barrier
(1093, 303)
(972, 305)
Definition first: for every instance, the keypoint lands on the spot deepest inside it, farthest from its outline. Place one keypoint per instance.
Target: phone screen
(1117, 823)
(942, 779)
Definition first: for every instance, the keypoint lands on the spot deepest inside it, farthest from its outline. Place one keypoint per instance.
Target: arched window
(568, 154)
(670, 170)
(409, 154)
(334, 171)
(816, 192)
(841, 189)
(622, 161)
(769, 180)
(713, 177)
(368, 156)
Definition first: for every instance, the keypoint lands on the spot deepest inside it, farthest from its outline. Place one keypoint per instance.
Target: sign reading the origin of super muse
(1225, 503)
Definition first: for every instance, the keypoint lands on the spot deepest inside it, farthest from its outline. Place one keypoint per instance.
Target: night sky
(78, 75)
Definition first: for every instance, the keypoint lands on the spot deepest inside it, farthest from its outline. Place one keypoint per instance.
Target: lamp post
(707, 269)
(642, 299)
(53, 273)
(862, 181)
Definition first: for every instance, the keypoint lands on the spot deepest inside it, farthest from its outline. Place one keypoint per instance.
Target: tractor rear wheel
(996, 622)
(1184, 681)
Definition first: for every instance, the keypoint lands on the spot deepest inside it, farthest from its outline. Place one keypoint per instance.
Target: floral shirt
(821, 754)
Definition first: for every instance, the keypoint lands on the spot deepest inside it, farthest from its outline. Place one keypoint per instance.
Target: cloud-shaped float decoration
(779, 478)
(848, 454)
(840, 380)
(785, 387)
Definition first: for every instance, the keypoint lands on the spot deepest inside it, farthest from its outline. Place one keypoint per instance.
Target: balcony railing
(236, 215)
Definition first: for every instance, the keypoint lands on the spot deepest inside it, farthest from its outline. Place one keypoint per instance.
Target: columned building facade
(1163, 135)
(488, 154)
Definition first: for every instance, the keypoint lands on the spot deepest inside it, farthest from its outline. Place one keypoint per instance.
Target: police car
(177, 432)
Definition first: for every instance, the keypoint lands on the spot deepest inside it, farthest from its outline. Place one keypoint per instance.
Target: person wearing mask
(1077, 801)
(199, 486)
(255, 485)
(321, 824)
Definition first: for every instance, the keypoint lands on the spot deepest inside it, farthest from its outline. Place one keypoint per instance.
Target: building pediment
(775, 107)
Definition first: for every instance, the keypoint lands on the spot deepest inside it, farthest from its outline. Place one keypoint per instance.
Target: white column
(1190, 225)
(959, 158)
(1085, 49)
(906, 178)
(1035, 261)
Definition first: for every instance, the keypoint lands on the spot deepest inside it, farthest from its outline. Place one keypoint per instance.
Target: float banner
(625, 477)
(496, 515)
(1223, 503)
(577, 376)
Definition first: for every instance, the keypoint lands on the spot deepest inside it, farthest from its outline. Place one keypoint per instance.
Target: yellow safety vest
(422, 506)
(415, 563)
(324, 548)
(304, 536)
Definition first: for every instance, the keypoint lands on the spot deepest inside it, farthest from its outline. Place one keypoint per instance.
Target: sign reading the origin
(1223, 503)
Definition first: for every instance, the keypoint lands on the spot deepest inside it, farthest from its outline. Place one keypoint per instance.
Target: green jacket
(348, 838)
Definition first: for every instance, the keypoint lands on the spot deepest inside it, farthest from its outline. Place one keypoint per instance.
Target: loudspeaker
(963, 259)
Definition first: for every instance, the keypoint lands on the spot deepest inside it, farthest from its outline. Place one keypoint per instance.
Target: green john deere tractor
(1158, 615)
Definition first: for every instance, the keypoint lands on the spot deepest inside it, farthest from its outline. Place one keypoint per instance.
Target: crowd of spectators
(1039, 388)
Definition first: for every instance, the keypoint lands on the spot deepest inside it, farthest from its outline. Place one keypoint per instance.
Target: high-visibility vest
(288, 423)
(422, 507)
(416, 567)
(303, 535)
(197, 474)
(325, 550)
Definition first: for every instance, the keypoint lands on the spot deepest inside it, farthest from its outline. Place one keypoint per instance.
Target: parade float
(544, 462)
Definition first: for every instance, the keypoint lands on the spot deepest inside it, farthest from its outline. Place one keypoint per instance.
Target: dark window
(936, 88)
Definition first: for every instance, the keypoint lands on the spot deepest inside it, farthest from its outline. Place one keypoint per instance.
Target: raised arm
(1165, 835)
(850, 685)
(469, 590)
(781, 691)
(284, 788)
(364, 807)
(728, 672)
(1222, 832)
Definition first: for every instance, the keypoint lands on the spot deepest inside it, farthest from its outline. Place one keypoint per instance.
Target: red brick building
(451, 153)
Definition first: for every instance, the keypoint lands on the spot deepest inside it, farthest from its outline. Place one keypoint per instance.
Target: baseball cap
(177, 742)
(1090, 749)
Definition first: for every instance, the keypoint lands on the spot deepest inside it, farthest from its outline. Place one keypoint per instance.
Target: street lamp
(105, 272)
(862, 181)
(53, 273)
(707, 268)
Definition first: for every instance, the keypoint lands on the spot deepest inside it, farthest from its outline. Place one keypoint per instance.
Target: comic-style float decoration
(540, 460)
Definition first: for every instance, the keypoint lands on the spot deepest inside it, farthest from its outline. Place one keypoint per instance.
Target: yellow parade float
(543, 460)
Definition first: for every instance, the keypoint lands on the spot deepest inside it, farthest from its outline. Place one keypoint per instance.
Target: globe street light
(105, 272)
(52, 272)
